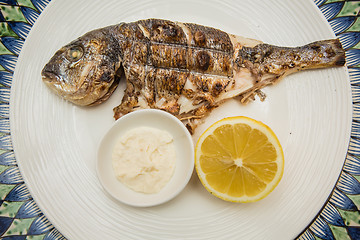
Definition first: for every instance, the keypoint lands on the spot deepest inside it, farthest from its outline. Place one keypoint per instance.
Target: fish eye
(75, 53)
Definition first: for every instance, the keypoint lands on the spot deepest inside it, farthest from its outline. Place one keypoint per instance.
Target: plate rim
(321, 3)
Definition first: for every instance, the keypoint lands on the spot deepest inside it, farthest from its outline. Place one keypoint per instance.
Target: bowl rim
(140, 116)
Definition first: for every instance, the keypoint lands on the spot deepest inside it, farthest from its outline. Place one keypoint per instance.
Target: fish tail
(279, 61)
(325, 53)
(268, 63)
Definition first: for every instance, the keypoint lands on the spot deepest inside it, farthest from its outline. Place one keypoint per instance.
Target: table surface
(20, 218)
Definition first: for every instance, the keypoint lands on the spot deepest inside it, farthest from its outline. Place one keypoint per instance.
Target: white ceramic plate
(55, 142)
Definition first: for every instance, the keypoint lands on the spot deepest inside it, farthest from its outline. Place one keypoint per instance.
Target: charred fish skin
(188, 69)
(164, 61)
(183, 68)
(268, 63)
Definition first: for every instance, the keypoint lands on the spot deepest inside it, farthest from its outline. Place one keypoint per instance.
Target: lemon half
(239, 159)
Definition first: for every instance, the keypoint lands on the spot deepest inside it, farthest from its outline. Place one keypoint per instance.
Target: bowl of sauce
(146, 158)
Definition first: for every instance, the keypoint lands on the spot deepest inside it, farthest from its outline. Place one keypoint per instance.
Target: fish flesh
(183, 68)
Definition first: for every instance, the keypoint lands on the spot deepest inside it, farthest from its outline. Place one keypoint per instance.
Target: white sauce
(144, 159)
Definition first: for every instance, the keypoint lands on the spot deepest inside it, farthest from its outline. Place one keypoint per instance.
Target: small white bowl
(184, 165)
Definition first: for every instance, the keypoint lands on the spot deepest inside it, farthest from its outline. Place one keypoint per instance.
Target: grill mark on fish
(183, 68)
(183, 48)
(175, 62)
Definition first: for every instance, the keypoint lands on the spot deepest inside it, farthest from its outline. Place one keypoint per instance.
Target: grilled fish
(183, 68)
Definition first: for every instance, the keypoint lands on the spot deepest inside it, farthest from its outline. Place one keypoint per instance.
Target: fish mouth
(49, 77)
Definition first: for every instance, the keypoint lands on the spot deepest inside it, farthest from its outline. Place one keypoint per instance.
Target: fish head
(87, 70)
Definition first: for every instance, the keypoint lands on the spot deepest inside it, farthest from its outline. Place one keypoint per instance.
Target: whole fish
(183, 68)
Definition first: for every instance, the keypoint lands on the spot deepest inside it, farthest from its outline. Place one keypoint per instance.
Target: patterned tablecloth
(20, 218)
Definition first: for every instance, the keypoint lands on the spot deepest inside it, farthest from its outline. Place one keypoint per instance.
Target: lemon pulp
(239, 159)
